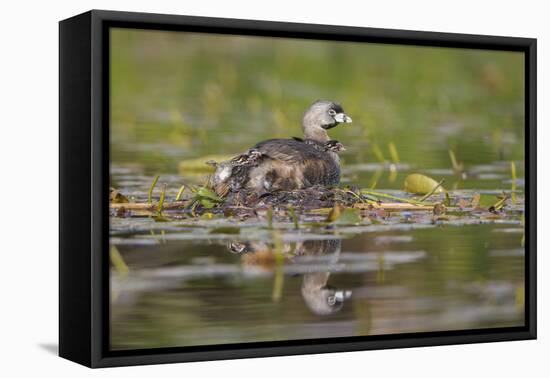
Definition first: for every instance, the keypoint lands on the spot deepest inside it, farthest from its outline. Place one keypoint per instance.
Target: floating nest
(303, 199)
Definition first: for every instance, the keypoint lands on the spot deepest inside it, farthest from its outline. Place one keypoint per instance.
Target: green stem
(513, 169)
(279, 265)
(393, 153)
(161, 200)
(150, 194)
(118, 261)
(294, 217)
(180, 192)
(432, 191)
(389, 196)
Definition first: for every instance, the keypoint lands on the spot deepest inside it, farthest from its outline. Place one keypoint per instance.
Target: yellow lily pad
(420, 184)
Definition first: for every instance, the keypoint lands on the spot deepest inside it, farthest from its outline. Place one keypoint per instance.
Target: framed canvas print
(234, 188)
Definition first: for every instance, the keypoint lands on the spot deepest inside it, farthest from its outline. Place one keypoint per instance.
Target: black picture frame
(84, 172)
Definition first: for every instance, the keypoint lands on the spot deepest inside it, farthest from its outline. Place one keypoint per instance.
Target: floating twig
(395, 198)
(395, 206)
(147, 206)
(500, 203)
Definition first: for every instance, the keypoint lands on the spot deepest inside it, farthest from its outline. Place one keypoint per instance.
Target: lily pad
(116, 197)
(207, 193)
(206, 203)
(486, 201)
(420, 184)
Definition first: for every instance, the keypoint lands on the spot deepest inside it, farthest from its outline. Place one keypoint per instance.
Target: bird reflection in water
(318, 295)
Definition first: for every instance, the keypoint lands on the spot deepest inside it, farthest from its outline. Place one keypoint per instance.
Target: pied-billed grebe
(332, 145)
(288, 164)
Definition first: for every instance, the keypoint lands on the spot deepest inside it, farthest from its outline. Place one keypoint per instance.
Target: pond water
(212, 279)
(182, 292)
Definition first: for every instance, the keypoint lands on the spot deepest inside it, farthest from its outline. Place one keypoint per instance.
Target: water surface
(197, 292)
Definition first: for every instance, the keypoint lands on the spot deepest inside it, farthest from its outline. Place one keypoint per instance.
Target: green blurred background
(176, 96)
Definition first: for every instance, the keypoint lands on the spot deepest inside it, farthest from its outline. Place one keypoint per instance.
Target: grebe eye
(332, 112)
